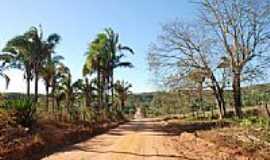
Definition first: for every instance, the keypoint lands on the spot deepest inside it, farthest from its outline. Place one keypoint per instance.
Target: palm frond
(126, 48)
(124, 64)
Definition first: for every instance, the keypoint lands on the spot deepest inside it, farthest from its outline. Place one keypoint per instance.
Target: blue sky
(137, 21)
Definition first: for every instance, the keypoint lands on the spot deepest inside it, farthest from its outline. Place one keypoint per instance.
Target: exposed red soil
(145, 139)
(17, 143)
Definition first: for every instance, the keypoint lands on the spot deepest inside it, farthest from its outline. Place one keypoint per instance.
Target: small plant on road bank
(22, 110)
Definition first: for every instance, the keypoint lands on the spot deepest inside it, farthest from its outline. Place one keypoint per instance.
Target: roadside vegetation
(69, 108)
(209, 69)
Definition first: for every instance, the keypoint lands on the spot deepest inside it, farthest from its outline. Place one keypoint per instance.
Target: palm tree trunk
(87, 92)
(53, 96)
(107, 90)
(36, 87)
(112, 87)
(103, 90)
(59, 109)
(122, 104)
(28, 79)
(99, 87)
(47, 96)
(53, 101)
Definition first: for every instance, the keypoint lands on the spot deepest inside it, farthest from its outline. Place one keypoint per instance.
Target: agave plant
(23, 110)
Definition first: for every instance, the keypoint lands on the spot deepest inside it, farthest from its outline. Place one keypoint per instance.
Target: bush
(254, 121)
(22, 110)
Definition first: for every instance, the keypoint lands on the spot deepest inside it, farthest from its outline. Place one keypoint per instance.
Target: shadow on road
(162, 128)
(131, 153)
(150, 127)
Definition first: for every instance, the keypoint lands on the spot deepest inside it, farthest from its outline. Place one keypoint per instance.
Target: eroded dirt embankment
(46, 137)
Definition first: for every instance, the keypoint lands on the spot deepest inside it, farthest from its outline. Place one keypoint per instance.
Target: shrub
(22, 110)
(256, 121)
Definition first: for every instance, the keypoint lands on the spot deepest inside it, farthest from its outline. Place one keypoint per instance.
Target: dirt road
(136, 140)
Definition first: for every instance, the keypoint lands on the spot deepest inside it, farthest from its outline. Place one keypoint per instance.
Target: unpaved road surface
(147, 139)
(136, 140)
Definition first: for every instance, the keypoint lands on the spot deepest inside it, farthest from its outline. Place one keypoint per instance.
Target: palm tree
(41, 50)
(65, 83)
(20, 51)
(104, 55)
(122, 90)
(115, 51)
(85, 89)
(4, 75)
(48, 73)
(30, 51)
(95, 62)
(6, 60)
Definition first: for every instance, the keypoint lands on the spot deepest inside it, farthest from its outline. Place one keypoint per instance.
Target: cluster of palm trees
(104, 55)
(36, 57)
(33, 54)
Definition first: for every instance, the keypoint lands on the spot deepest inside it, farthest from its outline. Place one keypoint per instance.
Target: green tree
(41, 50)
(115, 54)
(30, 51)
(95, 62)
(48, 73)
(20, 51)
(122, 92)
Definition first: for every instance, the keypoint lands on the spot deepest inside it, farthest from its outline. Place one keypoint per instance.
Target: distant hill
(265, 88)
(258, 88)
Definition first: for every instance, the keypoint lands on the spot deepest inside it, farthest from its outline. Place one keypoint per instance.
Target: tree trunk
(237, 94)
(201, 96)
(36, 87)
(122, 104)
(102, 88)
(99, 87)
(59, 108)
(53, 101)
(267, 110)
(112, 87)
(28, 79)
(107, 90)
(53, 96)
(47, 97)
(223, 105)
(87, 93)
(218, 93)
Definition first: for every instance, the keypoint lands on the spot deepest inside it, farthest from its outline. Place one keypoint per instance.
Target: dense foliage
(95, 98)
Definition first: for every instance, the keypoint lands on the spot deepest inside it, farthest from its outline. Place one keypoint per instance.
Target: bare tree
(242, 29)
(182, 49)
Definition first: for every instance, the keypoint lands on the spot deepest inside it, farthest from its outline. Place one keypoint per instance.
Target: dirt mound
(187, 137)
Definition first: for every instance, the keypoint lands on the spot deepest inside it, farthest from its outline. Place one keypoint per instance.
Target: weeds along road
(137, 140)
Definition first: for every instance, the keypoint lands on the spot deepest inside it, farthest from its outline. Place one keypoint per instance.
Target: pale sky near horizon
(137, 22)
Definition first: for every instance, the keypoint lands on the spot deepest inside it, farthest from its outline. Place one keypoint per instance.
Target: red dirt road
(136, 140)
(145, 139)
